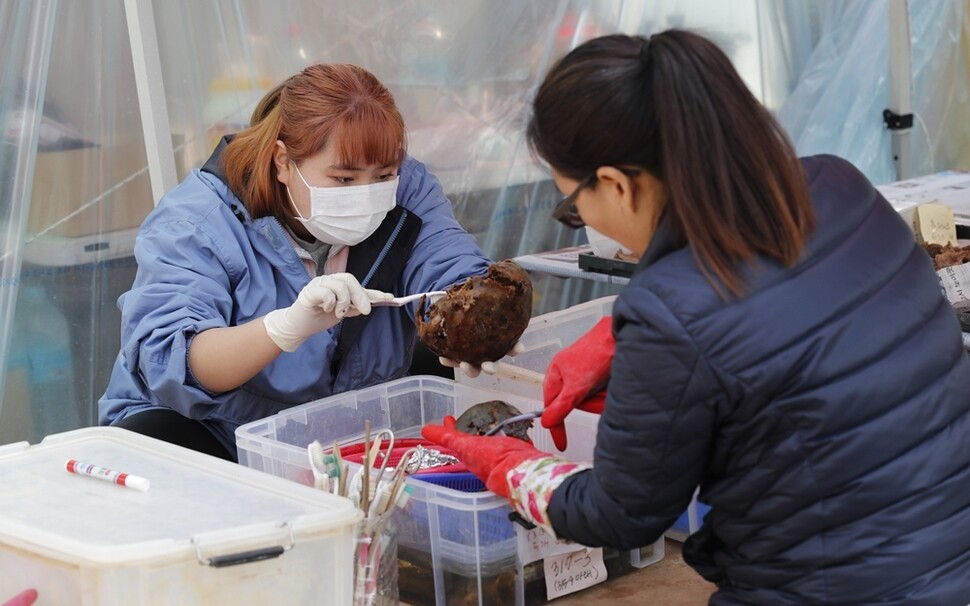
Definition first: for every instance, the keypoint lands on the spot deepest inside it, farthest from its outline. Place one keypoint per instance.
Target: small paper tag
(575, 571)
(935, 224)
(956, 285)
(537, 544)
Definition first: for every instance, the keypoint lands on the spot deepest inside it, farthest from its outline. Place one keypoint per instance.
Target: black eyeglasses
(565, 212)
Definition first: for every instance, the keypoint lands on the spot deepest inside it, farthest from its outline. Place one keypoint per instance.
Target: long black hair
(674, 105)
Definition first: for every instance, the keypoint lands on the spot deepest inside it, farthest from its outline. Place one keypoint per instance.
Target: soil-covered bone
(484, 416)
(947, 255)
(482, 318)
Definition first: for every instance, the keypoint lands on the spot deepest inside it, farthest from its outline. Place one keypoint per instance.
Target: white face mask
(605, 247)
(346, 215)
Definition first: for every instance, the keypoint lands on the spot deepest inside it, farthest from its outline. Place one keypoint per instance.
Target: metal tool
(384, 436)
(399, 301)
(397, 480)
(528, 416)
(365, 487)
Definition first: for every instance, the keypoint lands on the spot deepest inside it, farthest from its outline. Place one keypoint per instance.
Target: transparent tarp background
(25, 36)
(462, 72)
(837, 104)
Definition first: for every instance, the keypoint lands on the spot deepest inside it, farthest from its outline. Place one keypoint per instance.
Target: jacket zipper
(385, 250)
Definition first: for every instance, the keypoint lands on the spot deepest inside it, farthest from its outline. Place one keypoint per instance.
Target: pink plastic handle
(24, 598)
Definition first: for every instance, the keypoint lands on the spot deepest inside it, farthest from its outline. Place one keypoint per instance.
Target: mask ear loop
(290, 195)
(297, 168)
(293, 203)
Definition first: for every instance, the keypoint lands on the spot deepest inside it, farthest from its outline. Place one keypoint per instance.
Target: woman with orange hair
(255, 275)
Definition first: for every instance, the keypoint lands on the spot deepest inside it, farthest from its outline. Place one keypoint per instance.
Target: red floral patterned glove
(509, 467)
(488, 457)
(576, 379)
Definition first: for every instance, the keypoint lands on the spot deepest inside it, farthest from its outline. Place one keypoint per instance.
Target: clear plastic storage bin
(206, 532)
(453, 546)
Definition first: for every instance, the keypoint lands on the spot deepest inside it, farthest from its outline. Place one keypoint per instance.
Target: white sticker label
(956, 285)
(571, 572)
(536, 544)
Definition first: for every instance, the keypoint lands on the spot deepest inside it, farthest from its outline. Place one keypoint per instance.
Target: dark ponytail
(674, 105)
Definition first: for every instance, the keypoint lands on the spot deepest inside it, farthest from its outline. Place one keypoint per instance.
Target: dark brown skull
(482, 417)
(481, 319)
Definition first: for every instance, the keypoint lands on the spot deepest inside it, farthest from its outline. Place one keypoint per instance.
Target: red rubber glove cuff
(594, 404)
(490, 458)
(575, 378)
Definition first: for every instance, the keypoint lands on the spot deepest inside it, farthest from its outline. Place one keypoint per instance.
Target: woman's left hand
(473, 370)
(510, 467)
(488, 457)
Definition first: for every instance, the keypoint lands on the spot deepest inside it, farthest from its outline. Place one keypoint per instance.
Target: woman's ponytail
(248, 159)
(733, 181)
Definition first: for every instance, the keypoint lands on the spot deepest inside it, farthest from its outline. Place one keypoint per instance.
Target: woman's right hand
(321, 305)
(576, 379)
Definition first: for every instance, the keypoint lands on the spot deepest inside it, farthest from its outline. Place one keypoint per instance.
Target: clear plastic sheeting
(25, 39)
(75, 175)
(462, 73)
(837, 105)
(81, 190)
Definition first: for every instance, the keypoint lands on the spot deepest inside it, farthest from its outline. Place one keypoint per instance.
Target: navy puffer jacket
(825, 415)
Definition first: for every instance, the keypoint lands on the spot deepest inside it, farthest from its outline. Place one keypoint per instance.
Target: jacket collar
(214, 164)
(661, 245)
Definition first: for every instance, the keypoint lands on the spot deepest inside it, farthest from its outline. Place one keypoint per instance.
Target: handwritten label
(536, 544)
(575, 571)
(935, 224)
(955, 280)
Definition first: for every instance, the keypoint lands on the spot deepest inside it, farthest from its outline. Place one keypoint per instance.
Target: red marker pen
(115, 477)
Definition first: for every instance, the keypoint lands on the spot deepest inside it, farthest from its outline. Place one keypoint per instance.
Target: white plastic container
(545, 336)
(207, 531)
(450, 543)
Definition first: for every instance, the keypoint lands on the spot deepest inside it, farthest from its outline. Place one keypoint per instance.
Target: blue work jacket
(203, 263)
(825, 415)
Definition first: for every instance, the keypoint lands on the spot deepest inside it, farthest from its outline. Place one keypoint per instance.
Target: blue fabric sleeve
(444, 253)
(183, 287)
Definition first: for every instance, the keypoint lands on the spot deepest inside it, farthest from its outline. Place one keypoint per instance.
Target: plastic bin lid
(196, 503)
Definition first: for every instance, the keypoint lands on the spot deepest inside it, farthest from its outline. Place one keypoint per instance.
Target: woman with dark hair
(256, 274)
(783, 344)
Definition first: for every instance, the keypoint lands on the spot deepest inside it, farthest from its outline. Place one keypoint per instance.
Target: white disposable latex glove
(489, 368)
(322, 304)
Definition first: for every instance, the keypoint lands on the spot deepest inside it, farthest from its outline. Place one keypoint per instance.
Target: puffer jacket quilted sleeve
(825, 416)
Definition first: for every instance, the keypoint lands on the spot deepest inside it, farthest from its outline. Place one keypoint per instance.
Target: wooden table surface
(669, 582)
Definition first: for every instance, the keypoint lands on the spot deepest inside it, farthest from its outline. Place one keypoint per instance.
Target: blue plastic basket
(463, 481)
(462, 528)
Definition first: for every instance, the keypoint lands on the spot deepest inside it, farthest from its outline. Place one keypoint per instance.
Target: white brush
(318, 463)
